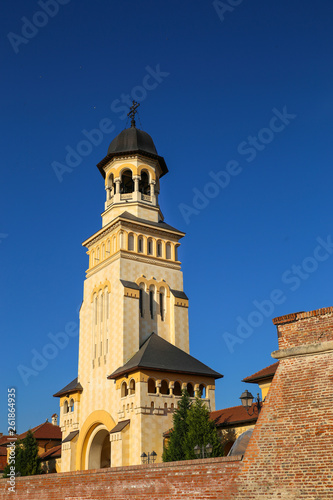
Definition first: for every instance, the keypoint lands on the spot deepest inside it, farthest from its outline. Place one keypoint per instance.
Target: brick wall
(290, 453)
(198, 479)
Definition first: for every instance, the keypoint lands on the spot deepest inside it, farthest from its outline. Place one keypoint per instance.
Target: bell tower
(134, 337)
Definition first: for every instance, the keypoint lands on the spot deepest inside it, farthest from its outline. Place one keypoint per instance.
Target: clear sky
(238, 98)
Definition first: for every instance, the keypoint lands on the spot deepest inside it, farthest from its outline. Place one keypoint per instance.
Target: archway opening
(127, 184)
(100, 451)
(144, 187)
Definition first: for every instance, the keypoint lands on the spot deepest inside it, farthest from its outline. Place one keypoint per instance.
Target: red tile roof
(228, 417)
(232, 416)
(4, 440)
(54, 452)
(3, 451)
(44, 431)
(263, 374)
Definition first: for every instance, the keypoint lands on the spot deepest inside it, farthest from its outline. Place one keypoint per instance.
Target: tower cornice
(151, 228)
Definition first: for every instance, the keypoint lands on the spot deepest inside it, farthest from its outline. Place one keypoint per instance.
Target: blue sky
(258, 245)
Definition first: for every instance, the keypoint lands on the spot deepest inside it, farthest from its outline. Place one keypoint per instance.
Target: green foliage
(27, 462)
(201, 431)
(191, 427)
(176, 448)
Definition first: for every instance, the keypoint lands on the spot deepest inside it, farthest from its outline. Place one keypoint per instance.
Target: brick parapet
(201, 479)
(305, 328)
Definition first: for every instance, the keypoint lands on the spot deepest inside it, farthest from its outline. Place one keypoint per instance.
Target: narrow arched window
(131, 242)
(202, 391)
(150, 247)
(101, 307)
(107, 303)
(168, 250)
(159, 249)
(96, 310)
(190, 390)
(66, 406)
(162, 304)
(71, 405)
(151, 303)
(140, 244)
(177, 390)
(141, 302)
(151, 386)
(144, 187)
(124, 390)
(127, 184)
(164, 387)
(132, 386)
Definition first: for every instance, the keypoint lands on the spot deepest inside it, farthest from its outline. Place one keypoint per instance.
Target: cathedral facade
(134, 356)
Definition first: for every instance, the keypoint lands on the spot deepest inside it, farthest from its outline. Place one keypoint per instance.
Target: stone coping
(304, 350)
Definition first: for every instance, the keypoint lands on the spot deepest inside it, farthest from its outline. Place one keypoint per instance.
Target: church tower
(134, 338)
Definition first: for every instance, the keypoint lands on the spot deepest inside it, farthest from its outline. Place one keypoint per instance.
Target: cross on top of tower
(133, 111)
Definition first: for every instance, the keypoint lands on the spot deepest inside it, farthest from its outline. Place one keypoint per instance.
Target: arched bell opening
(144, 186)
(127, 183)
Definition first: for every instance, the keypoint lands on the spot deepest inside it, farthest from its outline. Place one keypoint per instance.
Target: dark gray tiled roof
(70, 436)
(158, 354)
(120, 426)
(132, 139)
(130, 284)
(73, 386)
(179, 294)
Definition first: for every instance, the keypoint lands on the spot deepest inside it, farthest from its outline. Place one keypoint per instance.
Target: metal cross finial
(133, 111)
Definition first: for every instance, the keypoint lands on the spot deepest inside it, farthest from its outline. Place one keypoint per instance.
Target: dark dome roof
(132, 139)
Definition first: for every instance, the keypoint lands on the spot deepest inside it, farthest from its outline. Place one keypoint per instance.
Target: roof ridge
(229, 408)
(33, 430)
(259, 371)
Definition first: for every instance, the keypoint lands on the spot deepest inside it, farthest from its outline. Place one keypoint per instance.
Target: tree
(175, 450)
(191, 426)
(201, 430)
(27, 462)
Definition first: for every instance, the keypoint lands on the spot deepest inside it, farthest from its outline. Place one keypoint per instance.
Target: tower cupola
(132, 169)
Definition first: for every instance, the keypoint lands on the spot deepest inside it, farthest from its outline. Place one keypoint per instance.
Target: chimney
(55, 419)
